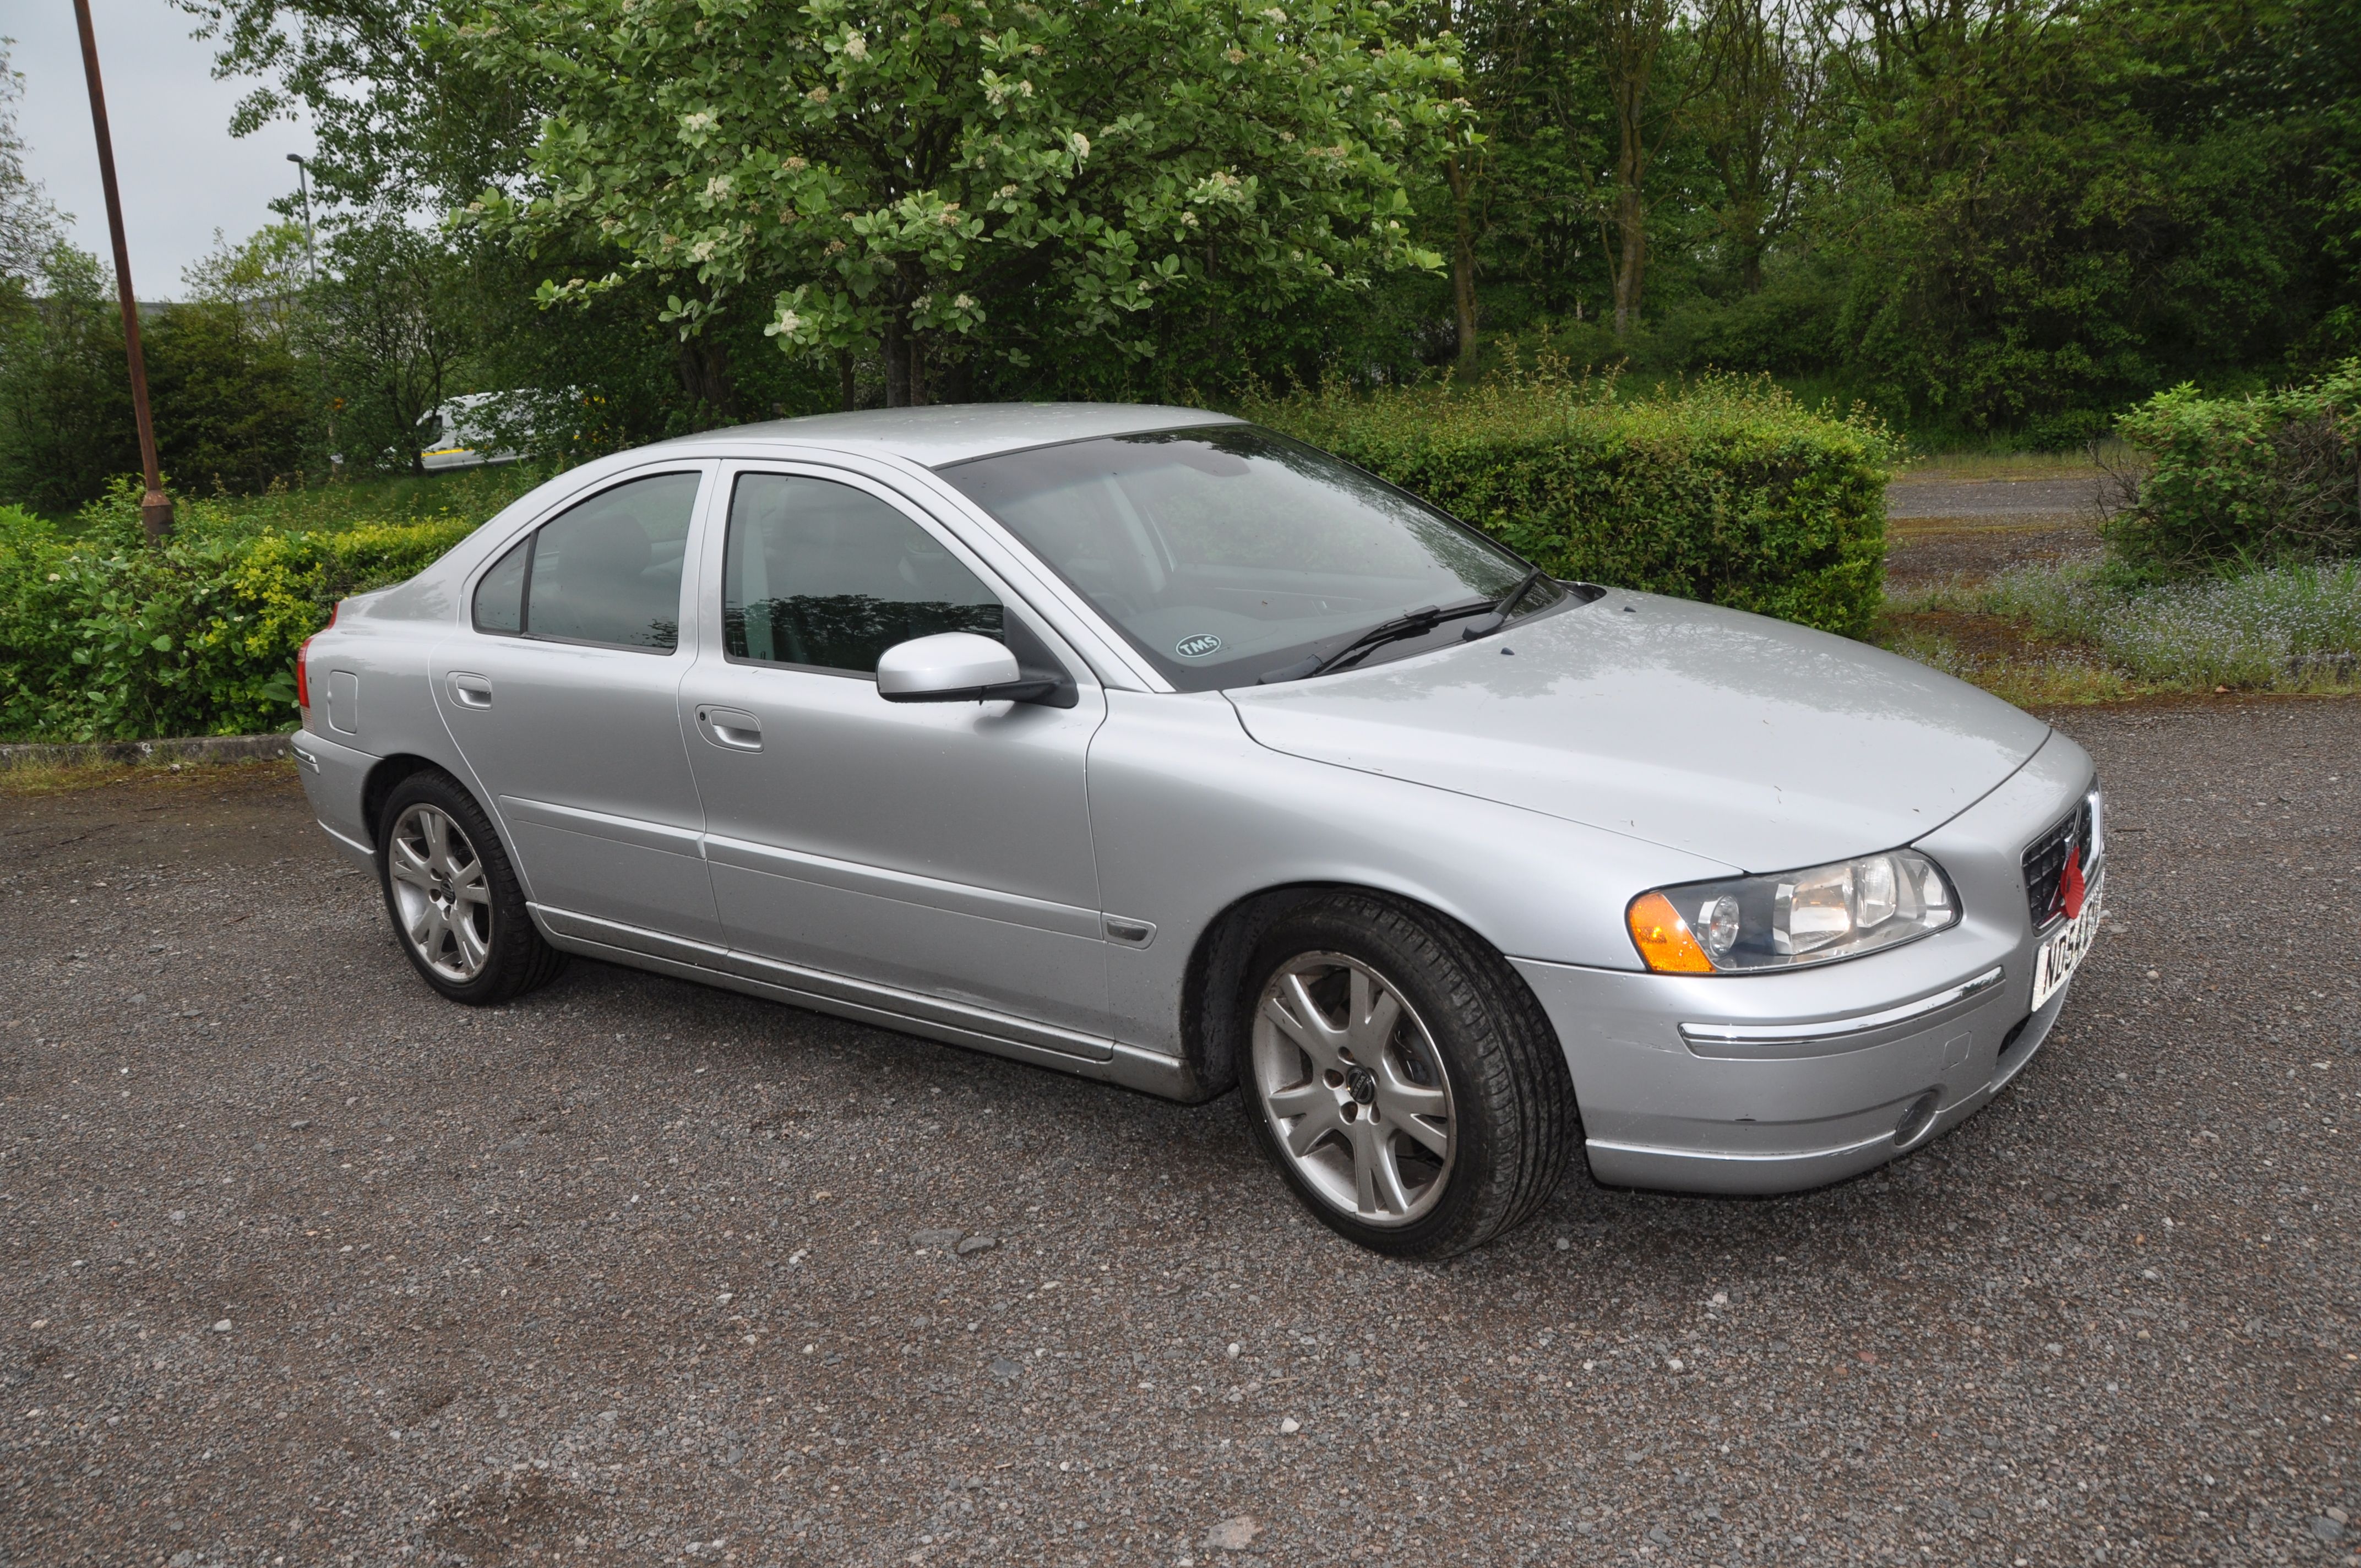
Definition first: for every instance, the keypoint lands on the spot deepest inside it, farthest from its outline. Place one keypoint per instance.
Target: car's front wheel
(455, 900)
(1401, 1076)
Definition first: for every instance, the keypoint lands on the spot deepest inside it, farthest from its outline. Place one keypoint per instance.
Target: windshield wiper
(1410, 623)
(1502, 606)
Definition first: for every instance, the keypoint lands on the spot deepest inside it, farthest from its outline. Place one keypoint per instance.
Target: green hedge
(1726, 490)
(103, 637)
(2247, 482)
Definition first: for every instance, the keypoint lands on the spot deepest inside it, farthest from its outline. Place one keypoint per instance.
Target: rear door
(563, 699)
(937, 849)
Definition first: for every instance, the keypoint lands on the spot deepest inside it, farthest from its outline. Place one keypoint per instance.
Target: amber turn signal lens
(1663, 939)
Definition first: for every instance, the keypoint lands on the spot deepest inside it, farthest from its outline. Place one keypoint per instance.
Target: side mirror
(955, 667)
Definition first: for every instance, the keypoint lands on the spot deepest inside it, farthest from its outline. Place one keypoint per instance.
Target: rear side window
(825, 575)
(606, 570)
(500, 596)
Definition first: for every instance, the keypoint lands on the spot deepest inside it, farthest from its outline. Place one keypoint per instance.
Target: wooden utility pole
(155, 507)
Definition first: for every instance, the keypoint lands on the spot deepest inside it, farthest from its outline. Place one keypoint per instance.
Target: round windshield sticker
(1197, 647)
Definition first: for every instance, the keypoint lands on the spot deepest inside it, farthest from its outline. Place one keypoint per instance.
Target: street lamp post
(303, 182)
(155, 505)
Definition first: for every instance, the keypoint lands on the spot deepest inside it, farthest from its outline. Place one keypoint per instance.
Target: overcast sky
(183, 174)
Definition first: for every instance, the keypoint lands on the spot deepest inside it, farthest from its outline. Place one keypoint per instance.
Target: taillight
(303, 660)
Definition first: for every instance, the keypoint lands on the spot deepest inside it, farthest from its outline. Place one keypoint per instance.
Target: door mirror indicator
(956, 666)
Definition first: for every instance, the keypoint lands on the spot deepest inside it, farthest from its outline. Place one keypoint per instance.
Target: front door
(938, 848)
(564, 699)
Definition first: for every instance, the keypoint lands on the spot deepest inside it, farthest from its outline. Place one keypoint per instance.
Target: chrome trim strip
(956, 1022)
(1837, 1028)
(904, 887)
(630, 830)
(1734, 1157)
(364, 853)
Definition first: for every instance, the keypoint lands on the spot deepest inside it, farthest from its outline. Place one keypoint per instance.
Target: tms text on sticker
(1197, 647)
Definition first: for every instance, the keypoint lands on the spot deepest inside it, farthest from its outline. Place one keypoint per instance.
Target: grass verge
(43, 779)
(2051, 633)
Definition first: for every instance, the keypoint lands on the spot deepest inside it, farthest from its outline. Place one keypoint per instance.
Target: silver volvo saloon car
(1149, 745)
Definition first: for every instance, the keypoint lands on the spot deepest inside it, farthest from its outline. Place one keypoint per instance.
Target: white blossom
(856, 48)
(1081, 143)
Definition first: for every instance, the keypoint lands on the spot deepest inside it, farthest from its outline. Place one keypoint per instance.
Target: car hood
(1751, 741)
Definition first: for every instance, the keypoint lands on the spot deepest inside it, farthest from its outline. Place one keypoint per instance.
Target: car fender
(1190, 815)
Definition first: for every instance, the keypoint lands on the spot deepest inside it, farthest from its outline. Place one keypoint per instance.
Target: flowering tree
(931, 181)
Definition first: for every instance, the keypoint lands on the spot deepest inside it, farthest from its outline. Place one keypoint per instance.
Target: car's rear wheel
(1401, 1076)
(455, 900)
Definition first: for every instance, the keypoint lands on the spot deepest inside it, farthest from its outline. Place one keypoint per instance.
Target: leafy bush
(2245, 482)
(1726, 490)
(103, 637)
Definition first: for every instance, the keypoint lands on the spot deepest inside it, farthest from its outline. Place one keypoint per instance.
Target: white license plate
(2062, 953)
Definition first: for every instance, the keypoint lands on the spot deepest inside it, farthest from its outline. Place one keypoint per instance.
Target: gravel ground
(1916, 554)
(1934, 494)
(304, 1267)
(1943, 527)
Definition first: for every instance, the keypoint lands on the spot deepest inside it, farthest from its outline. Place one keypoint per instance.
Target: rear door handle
(731, 728)
(470, 691)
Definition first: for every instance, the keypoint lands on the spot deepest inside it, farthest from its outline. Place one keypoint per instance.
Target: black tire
(513, 957)
(1511, 1121)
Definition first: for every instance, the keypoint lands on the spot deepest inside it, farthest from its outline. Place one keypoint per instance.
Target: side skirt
(975, 1028)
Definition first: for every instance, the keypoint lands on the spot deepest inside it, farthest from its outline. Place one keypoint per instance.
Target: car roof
(944, 433)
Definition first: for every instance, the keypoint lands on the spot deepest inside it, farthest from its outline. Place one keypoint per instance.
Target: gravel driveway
(304, 1267)
(1933, 494)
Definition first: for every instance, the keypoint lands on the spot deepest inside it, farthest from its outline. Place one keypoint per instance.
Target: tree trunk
(1462, 177)
(898, 361)
(705, 376)
(1635, 31)
(844, 380)
(1631, 257)
(953, 383)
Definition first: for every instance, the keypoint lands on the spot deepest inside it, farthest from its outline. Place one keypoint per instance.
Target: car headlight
(1789, 919)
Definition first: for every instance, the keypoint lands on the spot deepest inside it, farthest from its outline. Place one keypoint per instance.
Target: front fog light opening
(1787, 919)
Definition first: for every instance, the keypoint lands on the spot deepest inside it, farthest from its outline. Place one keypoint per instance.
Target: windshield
(1225, 552)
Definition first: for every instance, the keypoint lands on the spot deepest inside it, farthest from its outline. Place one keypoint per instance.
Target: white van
(457, 433)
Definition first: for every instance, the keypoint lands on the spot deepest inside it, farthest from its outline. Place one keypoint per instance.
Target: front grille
(2044, 865)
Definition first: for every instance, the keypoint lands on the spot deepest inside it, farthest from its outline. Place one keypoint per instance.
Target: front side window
(1226, 551)
(825, 575)
(606, 570)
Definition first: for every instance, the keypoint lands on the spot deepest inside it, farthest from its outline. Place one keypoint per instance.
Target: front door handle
(731, 728)
(470, 691)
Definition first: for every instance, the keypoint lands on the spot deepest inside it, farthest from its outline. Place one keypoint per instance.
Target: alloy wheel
(440, 891)
(1352, 1085)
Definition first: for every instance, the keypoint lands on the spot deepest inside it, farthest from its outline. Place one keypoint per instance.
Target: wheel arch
(1216, 967)
(384, 776)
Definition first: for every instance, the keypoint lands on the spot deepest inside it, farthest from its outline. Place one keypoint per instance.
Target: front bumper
(1788, 1081)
